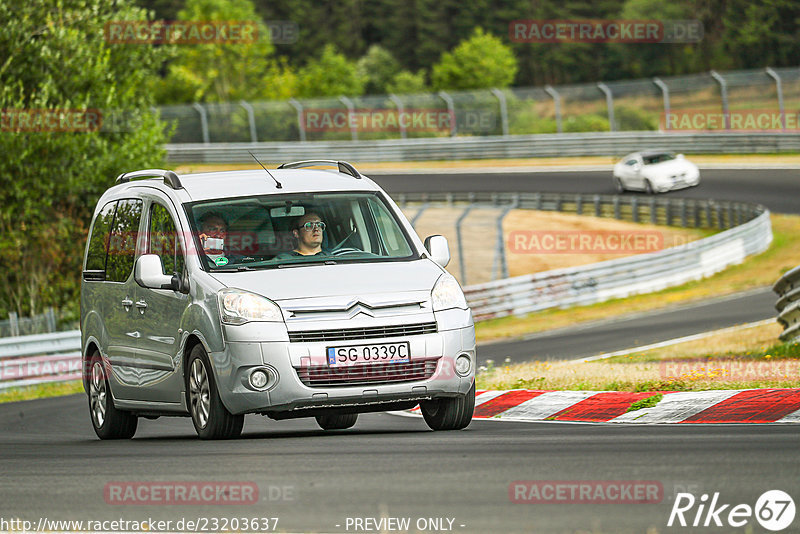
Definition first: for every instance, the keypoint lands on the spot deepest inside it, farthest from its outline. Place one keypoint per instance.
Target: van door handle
(127, 303)
(142, 305)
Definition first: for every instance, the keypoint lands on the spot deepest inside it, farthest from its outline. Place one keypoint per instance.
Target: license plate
(360, 354)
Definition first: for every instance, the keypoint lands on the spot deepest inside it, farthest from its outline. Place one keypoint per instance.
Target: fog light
(259, 378)
(463, 365)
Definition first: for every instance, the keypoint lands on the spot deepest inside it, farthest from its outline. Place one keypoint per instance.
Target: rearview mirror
(438, 249)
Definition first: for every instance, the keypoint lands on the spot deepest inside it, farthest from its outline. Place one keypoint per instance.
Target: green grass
(649, 402)
(41, 391)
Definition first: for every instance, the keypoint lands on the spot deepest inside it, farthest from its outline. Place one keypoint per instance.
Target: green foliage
(586, 123)
(379, 68)
(55, 57)
(647, 402)
(408, 83)
(220, 72)
(330, 75)
(633, 119)
(478, 62)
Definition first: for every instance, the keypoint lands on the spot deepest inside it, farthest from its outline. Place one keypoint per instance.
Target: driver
(307, 232)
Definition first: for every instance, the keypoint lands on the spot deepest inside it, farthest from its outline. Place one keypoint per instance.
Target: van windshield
(273, 231)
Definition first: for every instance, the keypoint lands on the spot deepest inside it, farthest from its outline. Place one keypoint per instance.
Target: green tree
(223, 72)
(54, 57)
(330, 75)
(478, 62)
(378, 67)
(406, 82)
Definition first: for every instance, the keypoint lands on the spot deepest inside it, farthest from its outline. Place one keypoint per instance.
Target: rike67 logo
(774, 510)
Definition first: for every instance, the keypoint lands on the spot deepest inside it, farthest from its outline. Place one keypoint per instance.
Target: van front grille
(371, 332)
(374, 373)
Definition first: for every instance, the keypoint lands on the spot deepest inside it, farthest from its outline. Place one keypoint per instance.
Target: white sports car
(655, 171)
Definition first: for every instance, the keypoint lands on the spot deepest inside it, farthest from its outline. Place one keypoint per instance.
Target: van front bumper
(288, 393)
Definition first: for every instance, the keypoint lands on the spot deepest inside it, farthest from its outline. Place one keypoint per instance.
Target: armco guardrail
(496, 147)
(788, 305)
(27, 360)
(750, 232)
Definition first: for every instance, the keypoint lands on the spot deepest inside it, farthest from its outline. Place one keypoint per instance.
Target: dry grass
(758, 271)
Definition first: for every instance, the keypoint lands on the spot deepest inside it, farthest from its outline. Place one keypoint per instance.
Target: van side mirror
(438, 249)
(150, 273)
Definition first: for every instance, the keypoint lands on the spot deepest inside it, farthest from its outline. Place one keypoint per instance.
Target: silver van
(291, 292)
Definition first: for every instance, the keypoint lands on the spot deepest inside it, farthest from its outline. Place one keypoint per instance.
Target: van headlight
(237, 306)
(447, 294)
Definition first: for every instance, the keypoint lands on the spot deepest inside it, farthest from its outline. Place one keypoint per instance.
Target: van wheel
(452, 413)
(336, 421)
(107, 420)
(210, 417)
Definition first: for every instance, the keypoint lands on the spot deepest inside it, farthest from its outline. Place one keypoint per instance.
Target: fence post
(597, 209)
(400, 110)
(451, 110)
(665, 90)
(301, 127)
(500, 251)
(682, 204)
(13, 324)
(50, 314)
(653, 211)
(774, 75)
(616, 207)
(203, 121)
(557, 103)
(350, 110)
(459, 244)
(579, 204)
(609, 104)
(251, 118)
(501, 98)
(635, 209)
(723, 89)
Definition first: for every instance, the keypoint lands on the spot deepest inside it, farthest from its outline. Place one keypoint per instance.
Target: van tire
(108, 422)
(336, 421)
(210, 417)
(450, 413)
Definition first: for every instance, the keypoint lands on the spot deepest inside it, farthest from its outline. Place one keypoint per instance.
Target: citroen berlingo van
(292, 292)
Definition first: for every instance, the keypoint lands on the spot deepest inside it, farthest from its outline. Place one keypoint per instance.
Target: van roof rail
(343, 166)
(170, 178)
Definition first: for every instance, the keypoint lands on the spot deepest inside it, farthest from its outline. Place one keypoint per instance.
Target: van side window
(122, 244)
(98, 242)
(164, 240)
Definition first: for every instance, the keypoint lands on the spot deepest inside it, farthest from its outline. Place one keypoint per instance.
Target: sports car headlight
(447, 294)
(237, 306)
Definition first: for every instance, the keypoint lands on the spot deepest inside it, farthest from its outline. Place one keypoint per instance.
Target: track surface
(54, 467)
(775, 188)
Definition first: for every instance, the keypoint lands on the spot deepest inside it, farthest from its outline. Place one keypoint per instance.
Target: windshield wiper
(301, 263)
(237, 269)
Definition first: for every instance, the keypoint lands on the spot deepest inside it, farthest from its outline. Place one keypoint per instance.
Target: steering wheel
(344, 250)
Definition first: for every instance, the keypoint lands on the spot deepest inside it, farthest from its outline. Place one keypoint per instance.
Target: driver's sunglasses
(309, 226)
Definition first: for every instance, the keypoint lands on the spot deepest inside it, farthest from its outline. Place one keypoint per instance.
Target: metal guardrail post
(665, 91)
(350, 112)
(609, 104)
(723, 88)
(203, 122)
(779, 87)
(788, 290)
(13, 324)
(301, 127)
(251, 118)
(501, 98)
(635, 209)
(653, 211)
(451, 110)
(557, 103)
(615, 203)
(461, 262)
(400, 110)
(598, 210)
(579, 204)
(682, 205)
(50, 316)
